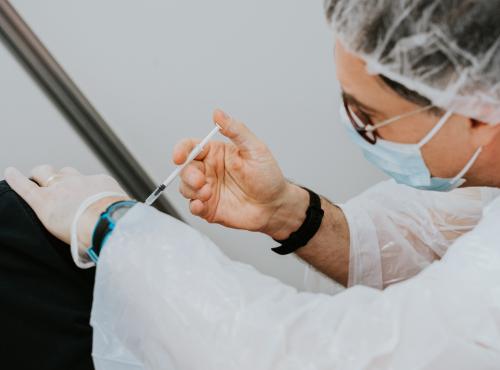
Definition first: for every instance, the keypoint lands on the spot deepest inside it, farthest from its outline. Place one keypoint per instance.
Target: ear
(484, 133)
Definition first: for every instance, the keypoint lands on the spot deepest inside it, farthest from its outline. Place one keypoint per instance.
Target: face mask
(404, 162)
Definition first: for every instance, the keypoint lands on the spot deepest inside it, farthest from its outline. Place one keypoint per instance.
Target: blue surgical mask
(404, 162)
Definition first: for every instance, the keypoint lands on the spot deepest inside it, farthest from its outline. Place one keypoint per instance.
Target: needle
(194, 153)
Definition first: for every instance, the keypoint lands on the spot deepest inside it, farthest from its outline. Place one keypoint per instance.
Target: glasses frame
(368, 131)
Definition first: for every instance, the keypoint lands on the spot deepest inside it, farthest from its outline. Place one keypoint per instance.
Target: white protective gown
(167, 298)
(396, 231)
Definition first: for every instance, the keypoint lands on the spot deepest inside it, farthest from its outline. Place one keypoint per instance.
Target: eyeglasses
(364, 125)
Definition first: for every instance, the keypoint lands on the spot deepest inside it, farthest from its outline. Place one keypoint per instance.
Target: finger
(197, 207)
(24, 187)
(69, 171)
(186, 191)
(204, 194)
(41, 174)
(183, 148)
(236, 131)
(194, 175)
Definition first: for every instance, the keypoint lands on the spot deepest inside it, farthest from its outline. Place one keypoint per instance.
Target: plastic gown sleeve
(396, 231)
(167, 298)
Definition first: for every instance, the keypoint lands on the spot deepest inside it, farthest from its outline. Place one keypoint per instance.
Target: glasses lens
(360, 121)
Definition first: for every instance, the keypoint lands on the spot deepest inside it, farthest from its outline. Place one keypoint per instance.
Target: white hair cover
(446, 50)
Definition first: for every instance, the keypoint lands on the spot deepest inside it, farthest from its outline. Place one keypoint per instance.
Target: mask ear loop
(467, 167)
(435, 130)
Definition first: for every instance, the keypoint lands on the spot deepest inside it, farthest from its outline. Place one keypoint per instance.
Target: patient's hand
(56, 196)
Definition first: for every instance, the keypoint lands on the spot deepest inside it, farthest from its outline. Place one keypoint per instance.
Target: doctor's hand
(55, 196)
(239, 184)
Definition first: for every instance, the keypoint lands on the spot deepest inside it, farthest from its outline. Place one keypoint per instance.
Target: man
(420, 85)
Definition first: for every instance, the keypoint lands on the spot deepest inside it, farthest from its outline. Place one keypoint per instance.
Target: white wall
(156, 69)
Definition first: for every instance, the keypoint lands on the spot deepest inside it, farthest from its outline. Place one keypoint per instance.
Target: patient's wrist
(90, 218)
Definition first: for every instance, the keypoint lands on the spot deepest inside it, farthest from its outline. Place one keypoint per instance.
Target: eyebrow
(351, 99)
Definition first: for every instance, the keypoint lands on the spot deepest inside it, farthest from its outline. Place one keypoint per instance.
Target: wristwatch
(105, 225)
(311, 225)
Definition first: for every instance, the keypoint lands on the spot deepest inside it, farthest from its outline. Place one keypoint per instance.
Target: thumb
(236, 131)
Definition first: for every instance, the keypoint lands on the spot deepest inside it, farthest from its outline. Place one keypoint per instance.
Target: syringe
(194, 153)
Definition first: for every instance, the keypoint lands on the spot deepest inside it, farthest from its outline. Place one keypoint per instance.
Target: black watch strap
(311, 225)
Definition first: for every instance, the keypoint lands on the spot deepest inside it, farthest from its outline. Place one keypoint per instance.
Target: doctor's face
(449, 150)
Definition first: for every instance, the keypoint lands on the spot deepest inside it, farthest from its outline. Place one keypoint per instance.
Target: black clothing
(45, 300)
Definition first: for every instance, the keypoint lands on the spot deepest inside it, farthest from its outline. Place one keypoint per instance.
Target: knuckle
(191, 173)
(196, 182)
(205, 196)
(190, 168)
(185, 174)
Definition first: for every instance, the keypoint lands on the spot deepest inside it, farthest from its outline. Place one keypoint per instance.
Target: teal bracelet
(105, 225)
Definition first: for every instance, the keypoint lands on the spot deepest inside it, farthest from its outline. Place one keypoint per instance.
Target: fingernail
(224, 115)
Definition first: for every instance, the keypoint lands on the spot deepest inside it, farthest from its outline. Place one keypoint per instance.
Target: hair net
(446, 50)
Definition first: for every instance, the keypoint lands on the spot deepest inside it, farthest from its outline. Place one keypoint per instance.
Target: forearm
(328, 250)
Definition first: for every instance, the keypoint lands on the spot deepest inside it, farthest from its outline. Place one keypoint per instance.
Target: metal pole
(75, 107)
